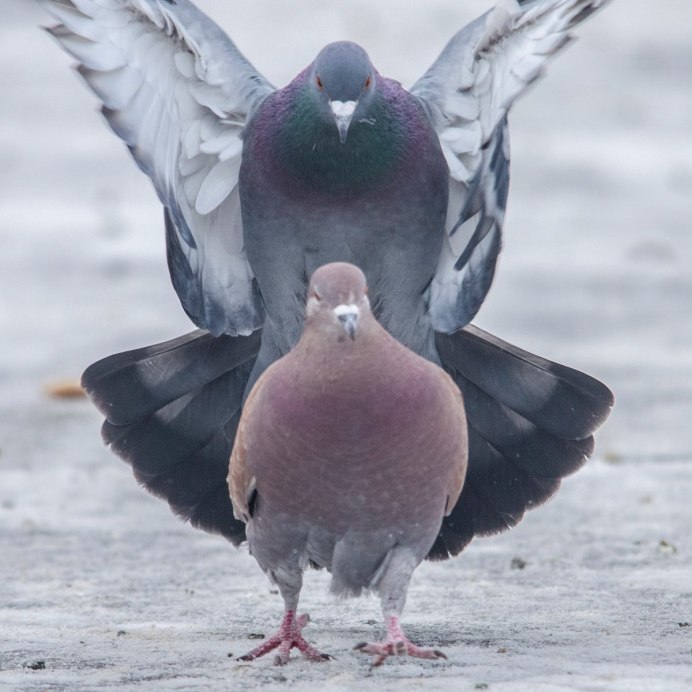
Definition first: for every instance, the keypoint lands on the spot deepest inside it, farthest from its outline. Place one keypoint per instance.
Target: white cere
(343, 109)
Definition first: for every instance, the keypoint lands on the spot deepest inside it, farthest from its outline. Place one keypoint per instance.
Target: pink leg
(288, 637)
(396, 644)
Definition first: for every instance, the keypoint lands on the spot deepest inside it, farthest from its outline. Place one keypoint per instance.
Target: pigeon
(261, 186)
(350, 450)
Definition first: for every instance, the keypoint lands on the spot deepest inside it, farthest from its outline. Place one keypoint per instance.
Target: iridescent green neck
(310, 150)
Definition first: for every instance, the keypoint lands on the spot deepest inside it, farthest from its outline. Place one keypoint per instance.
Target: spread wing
(467, 93)
(178, 92)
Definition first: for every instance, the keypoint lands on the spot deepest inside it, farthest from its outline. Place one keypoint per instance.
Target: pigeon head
(338, 128)
(344, 80)
(338, 299)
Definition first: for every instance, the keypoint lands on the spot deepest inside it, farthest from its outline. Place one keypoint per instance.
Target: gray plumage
(261, 186)
(243, 234)
(189, 113)
(350, 451)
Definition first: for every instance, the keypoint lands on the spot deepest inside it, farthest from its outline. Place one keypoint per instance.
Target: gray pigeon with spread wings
(260, 186)
(349, 452)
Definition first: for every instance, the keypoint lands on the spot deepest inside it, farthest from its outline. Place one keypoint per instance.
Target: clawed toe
(401, 647)
(396, 644)
(288, 637)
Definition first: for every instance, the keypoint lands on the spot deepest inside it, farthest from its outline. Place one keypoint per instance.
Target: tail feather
(214, 514)
(186, 485)
(530, 424)
(197, 490)
(505, 488)
(527, 444)
(172, 411)
(127, 387)
(167, 438)
(562, 401)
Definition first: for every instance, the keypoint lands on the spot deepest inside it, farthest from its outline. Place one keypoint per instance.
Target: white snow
(106, 587)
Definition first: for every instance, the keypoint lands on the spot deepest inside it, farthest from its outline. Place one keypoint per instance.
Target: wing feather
(178, 92)
(468, 92)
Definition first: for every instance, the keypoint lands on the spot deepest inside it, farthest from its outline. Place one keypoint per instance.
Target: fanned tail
(531, 423)
(171, 411)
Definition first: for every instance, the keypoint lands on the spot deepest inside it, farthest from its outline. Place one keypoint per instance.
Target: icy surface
(102, 587)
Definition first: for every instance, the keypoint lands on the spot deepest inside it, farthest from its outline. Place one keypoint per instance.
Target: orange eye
(320, 86)
(368, 82)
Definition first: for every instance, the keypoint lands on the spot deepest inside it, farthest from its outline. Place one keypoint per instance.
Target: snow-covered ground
(100, 586)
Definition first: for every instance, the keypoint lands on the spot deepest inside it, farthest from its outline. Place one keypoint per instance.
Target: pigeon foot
(396, 644)
(288, 637)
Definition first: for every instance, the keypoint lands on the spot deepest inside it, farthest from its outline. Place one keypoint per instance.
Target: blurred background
(595, 271)
(595, 274)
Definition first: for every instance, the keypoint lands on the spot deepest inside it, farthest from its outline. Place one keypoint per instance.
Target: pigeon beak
(343, 113)
(348, 318)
